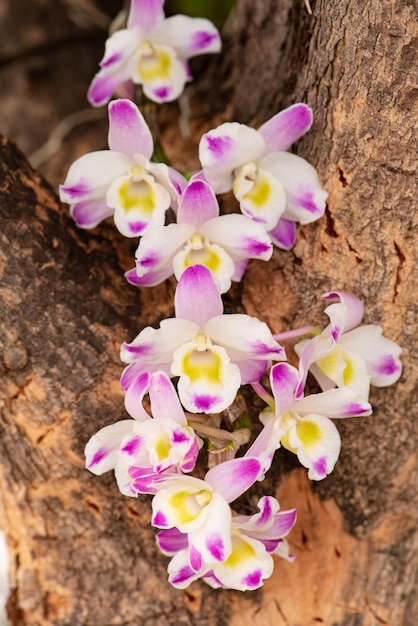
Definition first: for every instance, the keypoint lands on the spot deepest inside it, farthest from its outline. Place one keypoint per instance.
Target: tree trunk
(81, 553)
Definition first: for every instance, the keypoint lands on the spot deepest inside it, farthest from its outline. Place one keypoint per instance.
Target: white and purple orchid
(201, 236)
(122, 181)
(213, 354)
(274, 187)
(152, 51)
(254, 538)
(346, 354)
(303, 424)
(141, 450)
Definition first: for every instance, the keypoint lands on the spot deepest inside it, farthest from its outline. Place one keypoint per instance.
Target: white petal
(128, 130)
(381, 355)
(306, 200)
(244, 337)
(213, 540)
(240, 237)
(157, 345)
(318, 444)
(90, 176)
(224, 149)
(102, 450)
(158, 247)
(187, 35)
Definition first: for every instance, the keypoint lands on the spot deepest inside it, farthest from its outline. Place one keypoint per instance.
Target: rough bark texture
(81, 554)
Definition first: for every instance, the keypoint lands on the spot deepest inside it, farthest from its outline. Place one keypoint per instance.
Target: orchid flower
(200, 509)
(122, 181)
(254, 539)
(303, 424)
(274, 187)
(143, 449)
(152, 52)
(213, 354)
(201, 236)
(345, 355)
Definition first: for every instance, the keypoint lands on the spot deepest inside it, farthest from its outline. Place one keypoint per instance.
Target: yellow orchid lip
(202, 363)
(199, 251)
(242, 551)
(137, 194)
(154, 62)
(188, 505)
(252, 184)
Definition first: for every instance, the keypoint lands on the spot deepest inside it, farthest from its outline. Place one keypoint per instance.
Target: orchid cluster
(182, 378)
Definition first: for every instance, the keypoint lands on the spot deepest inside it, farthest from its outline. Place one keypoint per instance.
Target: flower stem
(263, 394)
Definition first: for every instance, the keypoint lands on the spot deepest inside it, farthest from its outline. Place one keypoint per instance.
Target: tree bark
(82, 554)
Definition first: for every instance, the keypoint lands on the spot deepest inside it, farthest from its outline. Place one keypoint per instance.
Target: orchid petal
(145, 13)
(305, 198)
(381, 355)
(197, 279)
(164, 399)
(283, 235)
(239, 236)
(267, 442)
(224, 149)
(197, 205)
(171, 541)
(90, 213)
(261, 521)
(104, 85)
(269, 524)
(89, 176)
(150, 279)
(283, 129)
(282, 525)
(134, 397)
(102, 449)
(283, 381)
(241, 472)
(178, 182)
(317, 443)
(158, 247)
(341, 402)
(283, 551)
(310, 351)
(239, 270)
(116, 66)
(252, 370)
(213, 539)
(195, 558)
(188, 36)
(124, 481)
(353, 306)
(140, 480)
(180, 574)
(128, 131)
(244, 337)
(157, 345)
